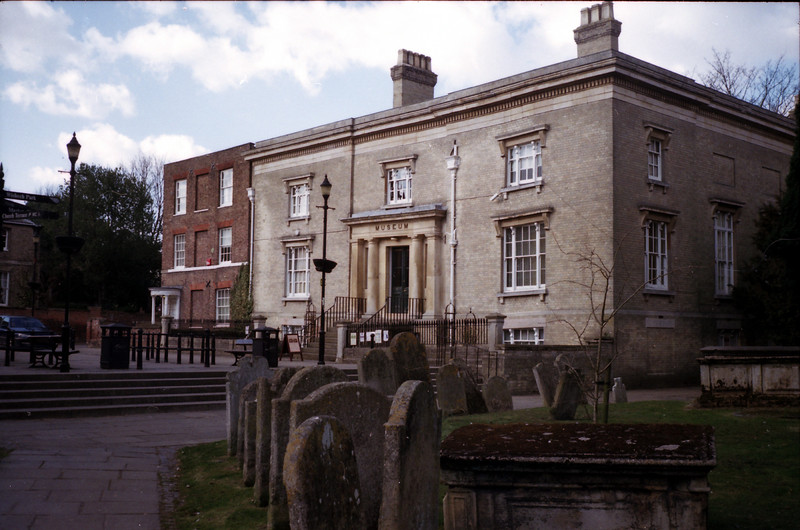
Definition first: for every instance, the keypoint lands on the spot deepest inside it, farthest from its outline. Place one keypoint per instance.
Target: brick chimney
(413, 78)
(598, 31)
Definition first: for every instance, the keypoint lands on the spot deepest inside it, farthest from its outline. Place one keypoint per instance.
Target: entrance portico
(396, 255)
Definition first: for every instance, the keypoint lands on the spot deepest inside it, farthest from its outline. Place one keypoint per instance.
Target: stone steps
(97, 394)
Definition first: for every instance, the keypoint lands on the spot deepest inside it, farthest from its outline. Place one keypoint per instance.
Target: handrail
(343, 308)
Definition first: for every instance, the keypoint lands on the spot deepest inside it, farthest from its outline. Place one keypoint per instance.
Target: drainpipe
(251, 194)
(453, 162)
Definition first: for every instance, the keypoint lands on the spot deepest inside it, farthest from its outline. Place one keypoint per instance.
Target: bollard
(179, 349)
(213, 349)
(208, 348)
(139, 350)
(191, 348)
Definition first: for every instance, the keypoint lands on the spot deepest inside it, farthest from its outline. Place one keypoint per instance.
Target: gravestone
(376, 370)
(567, 398)
(250, 368)
(411, 460)
(267, 391)
(546, 377)
(496, 395)
(303, 383)
(475, 403)
(248, 394)
(363, 411)
(321, 474)
(410, 359)
(618, 391)
(450, 392)
(249, 448)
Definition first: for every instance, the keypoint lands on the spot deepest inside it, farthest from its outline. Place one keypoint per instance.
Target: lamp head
(73, 149)
(325, 187)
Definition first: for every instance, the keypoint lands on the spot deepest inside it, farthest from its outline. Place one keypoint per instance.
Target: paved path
(94, 473)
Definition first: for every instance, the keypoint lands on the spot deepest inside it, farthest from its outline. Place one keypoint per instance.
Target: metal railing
(344, 308)
(394, 316)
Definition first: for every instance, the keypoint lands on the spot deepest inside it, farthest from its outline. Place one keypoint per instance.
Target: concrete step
(109, 410)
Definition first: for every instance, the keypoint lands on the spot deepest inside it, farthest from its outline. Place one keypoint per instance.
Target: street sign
(31, 197)
(11, 207)
(31, 214)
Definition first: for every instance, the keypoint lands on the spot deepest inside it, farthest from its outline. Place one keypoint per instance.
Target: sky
(179, 79)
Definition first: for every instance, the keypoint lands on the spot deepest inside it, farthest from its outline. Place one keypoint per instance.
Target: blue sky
(176, 79)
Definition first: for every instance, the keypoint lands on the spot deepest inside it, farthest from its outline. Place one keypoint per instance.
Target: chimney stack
(413, 78)
(599, 31)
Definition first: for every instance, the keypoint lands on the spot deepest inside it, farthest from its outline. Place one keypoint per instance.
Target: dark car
(22, 328)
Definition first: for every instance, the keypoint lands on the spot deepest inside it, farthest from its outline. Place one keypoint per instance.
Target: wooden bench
(239, 352)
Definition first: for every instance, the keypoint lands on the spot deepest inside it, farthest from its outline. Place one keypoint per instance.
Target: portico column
(373, 275)
(417, 267)
(433, 277)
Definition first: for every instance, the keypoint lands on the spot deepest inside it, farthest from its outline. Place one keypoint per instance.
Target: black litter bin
(265, 344)
(115, 346)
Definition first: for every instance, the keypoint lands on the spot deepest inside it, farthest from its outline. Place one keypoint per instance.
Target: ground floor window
(4, 287)
(523, 336)
(223, 305)
(298, 268)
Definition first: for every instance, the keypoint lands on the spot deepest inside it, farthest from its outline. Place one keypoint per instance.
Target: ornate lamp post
(69, 245)
(324, 265)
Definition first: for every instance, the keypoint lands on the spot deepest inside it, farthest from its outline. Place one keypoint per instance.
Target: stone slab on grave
(248, 394)
(496, 395)
(409, 357)
(450, 392)
(546, 381)
(376, 370)
(250, 368)
(567, 397)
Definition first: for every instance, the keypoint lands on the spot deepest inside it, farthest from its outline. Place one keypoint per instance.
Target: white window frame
(723, 253)
(654, 159)
(399, 185)
(657, 138)
(516, 265)
(299, 197)
(5, 280)
(656, 255)
(225, 239)
(298, 272)
(226, 187)
(222, 305)
(523, 336)
(179, 251)
(524, 164)
(180, 197)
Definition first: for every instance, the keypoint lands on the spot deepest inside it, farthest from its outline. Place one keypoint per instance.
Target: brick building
(18, 247)
(494, 199)
(206, 237)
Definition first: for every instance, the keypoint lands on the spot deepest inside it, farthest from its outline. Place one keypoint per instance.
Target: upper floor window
(523, 336)
(523, 257)
(657, 139)
(180, 196)
(654, 159)
(298, 269)
(298, 200)
(225, 243)
(655, 262)
(226, 187)
(223, 305)
(723, 243)
(524, 164)
(179, 250)
(398, 185)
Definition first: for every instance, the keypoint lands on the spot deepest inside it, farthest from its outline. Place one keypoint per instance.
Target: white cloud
(171, 147)
(72, 95)
(46, 177)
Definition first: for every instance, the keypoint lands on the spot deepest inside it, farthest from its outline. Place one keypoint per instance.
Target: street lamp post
(69, 245)
(324, 265)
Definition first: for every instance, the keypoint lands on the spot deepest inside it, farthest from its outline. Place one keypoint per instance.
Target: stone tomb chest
(577, 476)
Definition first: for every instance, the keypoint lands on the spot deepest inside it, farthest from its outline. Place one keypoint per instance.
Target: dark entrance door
(398, 274)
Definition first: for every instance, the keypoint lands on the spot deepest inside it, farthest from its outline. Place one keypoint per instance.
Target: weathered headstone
(475, 403)
(376, 370)
(411, 460)
(249, 447)
(250, 369)
(321, 475)
(546, 377)
(267, 391)
(410, 359)
(618, 391)
(450, 391)
(568, 396)
(248, 394)
(363, 411)
(496, 395)
(303, 383)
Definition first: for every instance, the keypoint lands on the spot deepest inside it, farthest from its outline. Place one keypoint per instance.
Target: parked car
(22, 327)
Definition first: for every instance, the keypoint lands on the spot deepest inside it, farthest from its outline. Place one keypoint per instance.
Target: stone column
(495, 324)
(416, 267)
(373, 276)
(341, 340)
(166, 324)
(433, 277)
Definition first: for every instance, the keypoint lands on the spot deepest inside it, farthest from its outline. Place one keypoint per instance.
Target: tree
(149, 170)
(120, 259)
(241, 297)
(769, 291)
(772, 86)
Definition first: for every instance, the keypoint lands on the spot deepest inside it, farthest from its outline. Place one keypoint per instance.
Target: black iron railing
(344, 308)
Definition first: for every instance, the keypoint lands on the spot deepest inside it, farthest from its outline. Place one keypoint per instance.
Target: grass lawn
(755, 485)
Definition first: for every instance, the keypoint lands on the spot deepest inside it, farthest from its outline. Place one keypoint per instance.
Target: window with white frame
(654, 159)
(179, 250)
(180, 196)
(298, 269)
(225, 243)
(398, 185)
(523, 336)
(655, 261)
(223, 305)
(226, 187)
(4, 281)
(298, 200)
(723, 243)
(524, 164)
(523, 257)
